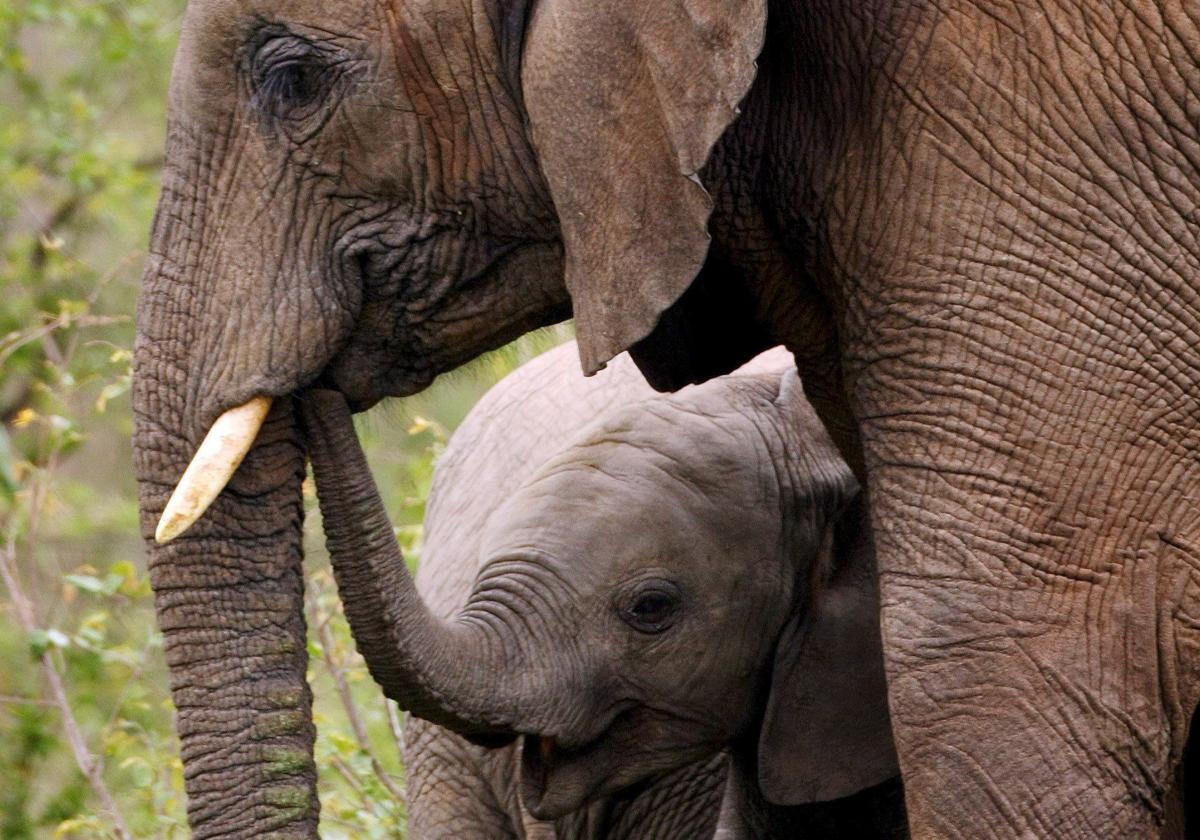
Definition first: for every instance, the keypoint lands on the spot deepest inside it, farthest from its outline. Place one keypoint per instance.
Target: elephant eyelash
(291, 76)
(287, 88)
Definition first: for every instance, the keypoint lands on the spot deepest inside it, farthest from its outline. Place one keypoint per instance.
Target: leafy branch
(89, 765)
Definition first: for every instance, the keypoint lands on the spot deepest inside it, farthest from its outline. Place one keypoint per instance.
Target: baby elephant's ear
(827, 733)
(626, 99)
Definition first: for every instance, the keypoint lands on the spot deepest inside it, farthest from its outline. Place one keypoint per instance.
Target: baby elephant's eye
(652, 606)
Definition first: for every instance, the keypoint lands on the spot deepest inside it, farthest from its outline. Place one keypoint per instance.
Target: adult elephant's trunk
(229, 597)
(455, 674)
(229, 590)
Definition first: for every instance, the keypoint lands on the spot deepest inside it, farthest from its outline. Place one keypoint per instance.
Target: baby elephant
(634, 583)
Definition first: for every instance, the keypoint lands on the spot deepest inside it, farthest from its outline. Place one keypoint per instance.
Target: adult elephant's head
(367, 194)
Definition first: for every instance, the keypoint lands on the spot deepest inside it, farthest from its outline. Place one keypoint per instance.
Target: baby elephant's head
(650, 571)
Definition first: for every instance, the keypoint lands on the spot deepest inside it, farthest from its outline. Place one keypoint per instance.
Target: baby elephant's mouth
(639, 744)
(556, 781)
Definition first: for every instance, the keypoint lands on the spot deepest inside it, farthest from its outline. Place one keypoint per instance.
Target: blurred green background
(85, 711)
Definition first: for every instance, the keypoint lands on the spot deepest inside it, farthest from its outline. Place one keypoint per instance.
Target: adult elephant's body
(1015, 291)
(973, 222)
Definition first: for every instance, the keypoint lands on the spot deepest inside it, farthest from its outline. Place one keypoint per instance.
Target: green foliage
(82, 94)
(81, 86)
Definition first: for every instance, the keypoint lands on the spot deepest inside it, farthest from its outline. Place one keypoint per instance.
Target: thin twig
(356, 723)
(395, 724)
(133, 680)
(13, 342)
(91, 766)
(75, 201)
(348, 775)
(94, 295)
(12, 700)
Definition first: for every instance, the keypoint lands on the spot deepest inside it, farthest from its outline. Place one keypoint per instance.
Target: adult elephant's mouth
(411, 328)
(229, 439)
(390, 347)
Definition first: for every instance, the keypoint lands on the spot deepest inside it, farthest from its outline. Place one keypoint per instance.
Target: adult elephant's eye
(291, 76)
(289, 86)
(652, 606)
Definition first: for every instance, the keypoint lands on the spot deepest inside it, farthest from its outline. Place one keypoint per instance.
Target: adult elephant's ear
(626, 99)
(826, 733)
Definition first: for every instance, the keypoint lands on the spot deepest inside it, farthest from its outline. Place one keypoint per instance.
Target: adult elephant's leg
(1033, 500)
(1020, 325)
(452, 786)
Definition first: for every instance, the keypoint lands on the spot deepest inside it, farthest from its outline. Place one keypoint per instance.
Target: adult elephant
(972, 222)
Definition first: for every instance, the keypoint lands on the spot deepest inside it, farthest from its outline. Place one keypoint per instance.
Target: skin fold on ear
(827, 733)
(626, 99)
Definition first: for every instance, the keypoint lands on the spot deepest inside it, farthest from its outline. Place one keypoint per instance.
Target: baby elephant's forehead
(644, 481)
(590, 492)
(660, 450)
(597, 538)
(700, 428)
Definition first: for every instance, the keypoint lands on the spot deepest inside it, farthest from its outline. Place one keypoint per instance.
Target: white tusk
(224, 447)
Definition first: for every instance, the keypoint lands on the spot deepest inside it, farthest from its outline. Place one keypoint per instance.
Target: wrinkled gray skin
(559, 505)
(973, 222)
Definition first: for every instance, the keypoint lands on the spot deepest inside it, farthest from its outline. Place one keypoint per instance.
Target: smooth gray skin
(460, 790)
(455, 788)
(571, 489)
(972, 221)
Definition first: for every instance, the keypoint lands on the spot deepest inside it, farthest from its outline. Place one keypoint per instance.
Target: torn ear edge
(827, 731)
